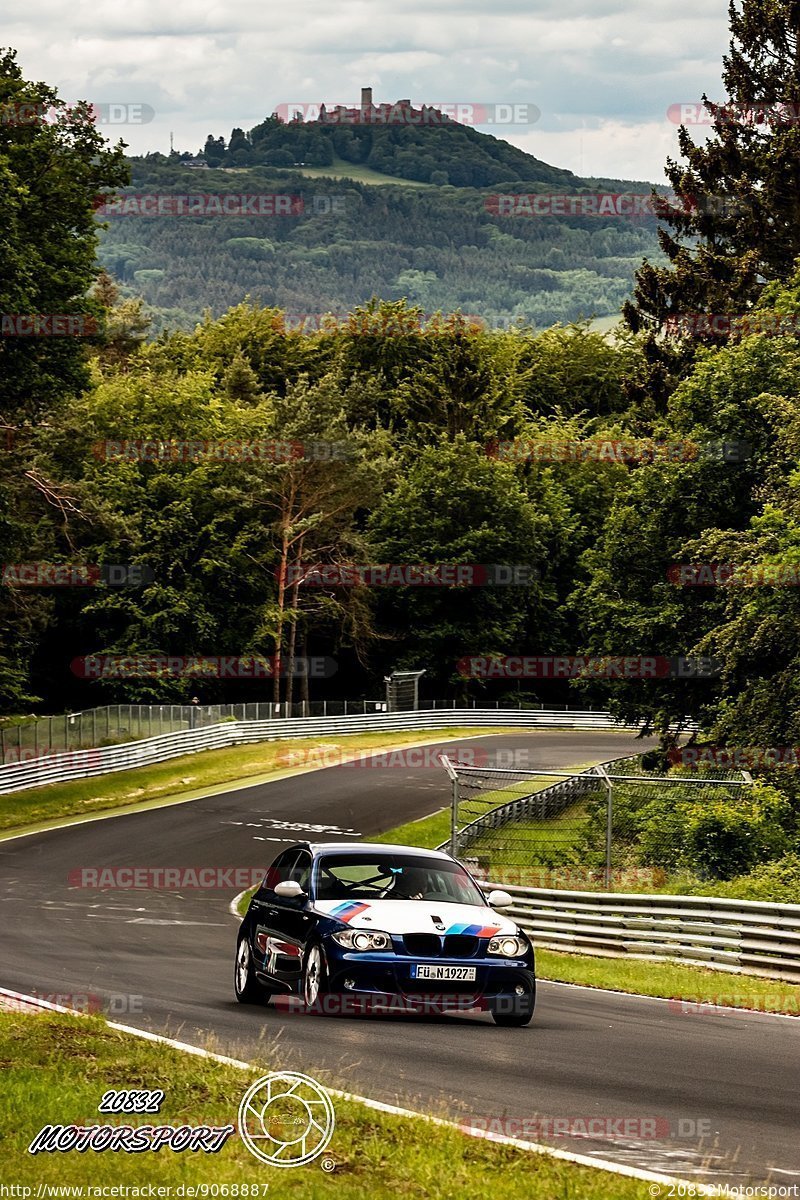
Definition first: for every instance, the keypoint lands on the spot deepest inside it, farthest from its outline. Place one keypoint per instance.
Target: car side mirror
(498, 899)
(289, 889)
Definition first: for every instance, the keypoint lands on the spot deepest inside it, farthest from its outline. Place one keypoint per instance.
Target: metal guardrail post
(448, 766)
(609, 821)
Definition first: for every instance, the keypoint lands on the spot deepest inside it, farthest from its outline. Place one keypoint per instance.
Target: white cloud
(612, 149)
(603, 75)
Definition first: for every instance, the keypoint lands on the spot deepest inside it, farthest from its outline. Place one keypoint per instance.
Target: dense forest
(443, 248)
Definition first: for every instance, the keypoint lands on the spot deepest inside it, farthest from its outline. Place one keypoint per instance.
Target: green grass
(56, 1068)
(183, 777)
(556, 835)
(672, 980)
(341, 169)
(432, 831)
(429, 832)
(534, 840)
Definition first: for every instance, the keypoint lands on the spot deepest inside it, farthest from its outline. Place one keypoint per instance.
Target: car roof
(372, 848)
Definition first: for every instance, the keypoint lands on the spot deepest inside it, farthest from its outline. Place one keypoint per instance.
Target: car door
(280, 925)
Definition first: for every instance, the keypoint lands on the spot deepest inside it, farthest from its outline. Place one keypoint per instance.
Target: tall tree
(735, 222)
(53, 165)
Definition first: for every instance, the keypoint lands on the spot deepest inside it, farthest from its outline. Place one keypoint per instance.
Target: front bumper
(372, 975)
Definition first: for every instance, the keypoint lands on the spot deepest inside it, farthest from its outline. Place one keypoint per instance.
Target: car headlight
(363, 939)
(508, 946)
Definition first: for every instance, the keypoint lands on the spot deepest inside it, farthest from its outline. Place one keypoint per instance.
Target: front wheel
(315, 979)
(248, 989)
(519, 1013)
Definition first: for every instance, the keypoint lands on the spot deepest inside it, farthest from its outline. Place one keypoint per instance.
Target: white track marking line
(223, 789)
(582, 1160)
(715, 1009)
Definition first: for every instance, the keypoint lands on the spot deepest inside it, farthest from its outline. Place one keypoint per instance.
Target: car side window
(281, 869)
(300, 870)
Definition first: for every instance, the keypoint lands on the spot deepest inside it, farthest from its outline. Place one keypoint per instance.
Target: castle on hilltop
(400, 113)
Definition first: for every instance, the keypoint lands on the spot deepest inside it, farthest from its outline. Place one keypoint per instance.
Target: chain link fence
(35, 737)
(610, 827)
(114, 723)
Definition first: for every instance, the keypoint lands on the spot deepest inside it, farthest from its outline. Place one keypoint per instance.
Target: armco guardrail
(744, 936)
(80, 764)
(114, 724)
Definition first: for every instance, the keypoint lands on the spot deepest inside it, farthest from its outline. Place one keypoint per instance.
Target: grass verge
(694, 985)
(188, 776)
(57, 1067)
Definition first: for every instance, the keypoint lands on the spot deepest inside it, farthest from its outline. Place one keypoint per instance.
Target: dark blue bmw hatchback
(343, 925)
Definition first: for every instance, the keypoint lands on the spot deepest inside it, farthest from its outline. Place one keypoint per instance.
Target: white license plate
(430, 971)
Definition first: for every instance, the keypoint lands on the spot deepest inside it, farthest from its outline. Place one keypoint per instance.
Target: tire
(314, 980)
(247, 988)
(522, 1013)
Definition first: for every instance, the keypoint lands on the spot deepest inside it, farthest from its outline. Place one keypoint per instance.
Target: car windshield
(393, 877)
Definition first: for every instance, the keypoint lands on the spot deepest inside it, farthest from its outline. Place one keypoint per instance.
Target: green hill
(389, 211)
(440, 153)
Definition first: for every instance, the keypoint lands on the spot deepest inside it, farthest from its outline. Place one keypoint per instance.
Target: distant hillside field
(340, 169)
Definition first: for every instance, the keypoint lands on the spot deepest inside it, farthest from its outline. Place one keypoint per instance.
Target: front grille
(441, 987)
(460, 945)
(427, 945)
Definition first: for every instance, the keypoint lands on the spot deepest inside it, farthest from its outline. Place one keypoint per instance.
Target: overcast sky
(602, 72)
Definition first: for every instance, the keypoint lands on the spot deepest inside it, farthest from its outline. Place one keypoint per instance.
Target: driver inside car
(412, 883)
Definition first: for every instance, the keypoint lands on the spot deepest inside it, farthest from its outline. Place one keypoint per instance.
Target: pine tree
(734, 223)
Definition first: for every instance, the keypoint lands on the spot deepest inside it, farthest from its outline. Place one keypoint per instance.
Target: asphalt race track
(722, 1089)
